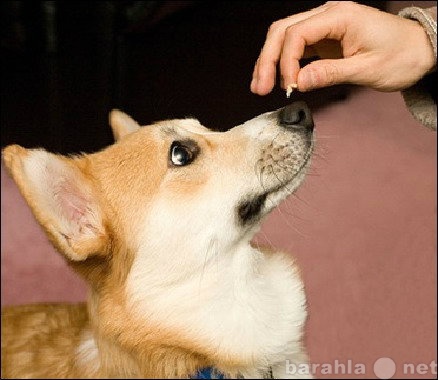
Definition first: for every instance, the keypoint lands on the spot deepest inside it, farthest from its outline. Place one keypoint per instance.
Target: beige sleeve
(419, 98)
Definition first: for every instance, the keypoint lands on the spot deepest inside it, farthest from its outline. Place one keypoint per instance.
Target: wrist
(427, 36)
(424, 51)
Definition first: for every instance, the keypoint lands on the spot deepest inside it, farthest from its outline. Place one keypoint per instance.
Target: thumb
(327, 72)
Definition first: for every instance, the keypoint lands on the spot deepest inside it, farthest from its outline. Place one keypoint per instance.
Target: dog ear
(62, 200)
(122, 124)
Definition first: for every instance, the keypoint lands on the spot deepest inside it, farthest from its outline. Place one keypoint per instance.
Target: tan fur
(118, 184)
(39, 340)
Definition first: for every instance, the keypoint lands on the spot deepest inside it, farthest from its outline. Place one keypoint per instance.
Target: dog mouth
(249, 210)
(253, 208)
(286, 146)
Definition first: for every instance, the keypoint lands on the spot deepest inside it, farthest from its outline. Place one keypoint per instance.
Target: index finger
(265, 67)
(308, 32)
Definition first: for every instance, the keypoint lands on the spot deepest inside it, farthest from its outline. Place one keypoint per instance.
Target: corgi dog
(159, 225)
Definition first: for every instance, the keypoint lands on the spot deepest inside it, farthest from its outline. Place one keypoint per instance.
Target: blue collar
(208, 373)
(213, 373)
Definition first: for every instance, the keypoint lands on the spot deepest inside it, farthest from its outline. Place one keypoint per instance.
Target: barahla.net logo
(383, 368)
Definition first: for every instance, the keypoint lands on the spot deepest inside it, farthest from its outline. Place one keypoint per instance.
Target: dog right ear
(122, 124)
(62, 198)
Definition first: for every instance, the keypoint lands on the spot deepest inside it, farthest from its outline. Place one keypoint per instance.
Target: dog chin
(255, 207)
(275, 197)
(280, 193)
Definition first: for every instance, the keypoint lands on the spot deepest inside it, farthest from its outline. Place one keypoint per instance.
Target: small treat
(290, 88)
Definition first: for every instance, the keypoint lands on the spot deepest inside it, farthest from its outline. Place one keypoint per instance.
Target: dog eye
(180, 155)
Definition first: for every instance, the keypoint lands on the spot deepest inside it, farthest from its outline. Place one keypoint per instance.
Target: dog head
(165, 199)
(170, 188)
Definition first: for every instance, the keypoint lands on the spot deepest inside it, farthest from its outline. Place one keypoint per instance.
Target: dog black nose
(296, 116)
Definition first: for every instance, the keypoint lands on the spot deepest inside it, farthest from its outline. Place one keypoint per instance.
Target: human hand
(359, 45)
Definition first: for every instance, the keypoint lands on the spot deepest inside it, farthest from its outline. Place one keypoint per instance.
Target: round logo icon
(384, 368)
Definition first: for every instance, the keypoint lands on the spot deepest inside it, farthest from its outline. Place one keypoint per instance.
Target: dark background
(66, 64)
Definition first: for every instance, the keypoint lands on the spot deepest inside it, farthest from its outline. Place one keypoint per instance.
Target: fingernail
(307, 80)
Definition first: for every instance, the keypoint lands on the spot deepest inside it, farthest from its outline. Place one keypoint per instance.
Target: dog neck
(131, 329)
(117, 343)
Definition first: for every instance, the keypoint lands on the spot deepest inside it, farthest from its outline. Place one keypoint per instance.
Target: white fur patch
(241, 302)
(87, 353)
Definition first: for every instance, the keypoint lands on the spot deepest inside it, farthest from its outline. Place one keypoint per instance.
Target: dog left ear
(62, 199)
(122, 124)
